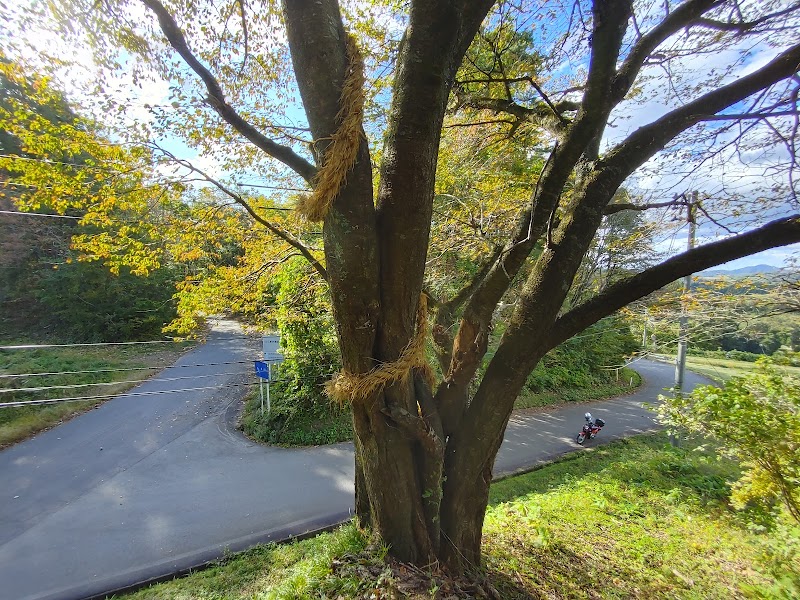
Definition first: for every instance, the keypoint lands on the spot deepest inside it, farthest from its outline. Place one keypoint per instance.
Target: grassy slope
(633, 519)
(19, 423)
(722, 369)
(628, 381)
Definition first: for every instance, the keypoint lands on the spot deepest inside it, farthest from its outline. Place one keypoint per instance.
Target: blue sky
(635, 114)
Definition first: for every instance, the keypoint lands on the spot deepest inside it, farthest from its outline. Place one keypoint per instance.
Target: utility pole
(644, 334)
(683, 322)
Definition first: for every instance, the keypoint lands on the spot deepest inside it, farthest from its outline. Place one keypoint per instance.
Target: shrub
(756, 419)
(301, 412)
(579, 362)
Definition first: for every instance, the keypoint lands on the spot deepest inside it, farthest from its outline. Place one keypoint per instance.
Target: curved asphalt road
(146, 486)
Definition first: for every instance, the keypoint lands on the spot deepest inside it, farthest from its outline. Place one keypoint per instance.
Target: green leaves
(757, 419)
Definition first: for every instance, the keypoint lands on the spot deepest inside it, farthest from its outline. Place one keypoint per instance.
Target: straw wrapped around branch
(341, 154)
(351, 387)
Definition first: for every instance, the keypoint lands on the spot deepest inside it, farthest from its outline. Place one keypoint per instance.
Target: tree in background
(425, 449)
(755, 419)
(53, 161)
(740, 316)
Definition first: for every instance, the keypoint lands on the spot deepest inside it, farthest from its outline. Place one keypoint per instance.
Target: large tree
(425, 450)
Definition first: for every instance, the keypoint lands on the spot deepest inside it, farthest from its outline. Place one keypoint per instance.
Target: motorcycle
(590, 429)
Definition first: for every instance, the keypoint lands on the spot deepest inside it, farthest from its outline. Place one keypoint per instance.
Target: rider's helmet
(588, 416)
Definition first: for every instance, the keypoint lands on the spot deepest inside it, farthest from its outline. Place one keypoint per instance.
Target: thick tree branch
(445, 312)
(610, 23)
(780, 232)
(317, 41)
(580, 138)
(681, 17)
(432, 50)
(217, 100)
(528, 335)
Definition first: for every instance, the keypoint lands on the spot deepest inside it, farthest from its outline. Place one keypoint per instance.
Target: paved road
(149, 485)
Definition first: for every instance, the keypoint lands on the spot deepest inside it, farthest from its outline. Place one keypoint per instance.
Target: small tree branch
(245, 32)
(240, 200)
(619, 207)
(743, 26)
(627, 156)
(751, 116)
(216, 98)
(681, 17)
(547, 112)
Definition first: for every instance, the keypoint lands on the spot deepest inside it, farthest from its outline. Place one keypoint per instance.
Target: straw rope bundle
(340, 156)
(351, 387)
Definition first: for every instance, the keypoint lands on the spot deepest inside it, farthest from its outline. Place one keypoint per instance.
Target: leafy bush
(301, 412)
(583, 361)
(727, 354)
(757, 420)
(84, 302)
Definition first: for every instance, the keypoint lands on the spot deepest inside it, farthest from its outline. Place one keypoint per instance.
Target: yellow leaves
(190, 255)
(62, 164)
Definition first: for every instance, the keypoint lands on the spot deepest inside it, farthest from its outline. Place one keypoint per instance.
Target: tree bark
(317, 38)
(376, 258)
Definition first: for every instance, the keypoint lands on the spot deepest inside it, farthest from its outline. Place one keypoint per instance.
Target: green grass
(295, 570)
(722, 369)
(636, 519)
(19, 423)
(633, 519)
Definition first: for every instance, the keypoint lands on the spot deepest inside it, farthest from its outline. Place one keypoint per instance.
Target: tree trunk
(424, 463)
(387, 455)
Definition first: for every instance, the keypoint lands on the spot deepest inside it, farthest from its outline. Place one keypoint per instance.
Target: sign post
(262, 371)
(269, 407)
(270, 345)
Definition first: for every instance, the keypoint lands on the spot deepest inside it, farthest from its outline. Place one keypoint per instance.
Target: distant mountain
(741, 272)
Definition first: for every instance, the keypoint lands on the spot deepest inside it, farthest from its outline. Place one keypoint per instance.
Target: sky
(630, 115)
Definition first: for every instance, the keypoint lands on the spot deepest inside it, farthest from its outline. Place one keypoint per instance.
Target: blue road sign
(262, 369)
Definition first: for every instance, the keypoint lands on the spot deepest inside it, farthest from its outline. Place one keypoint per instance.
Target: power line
(123, 369)
(46, 401)
(31, 214)
(124, 395)
(108, 383)
(95, 344)
(39, 346)
(273, 187)
(236, 183)
(112, 170)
